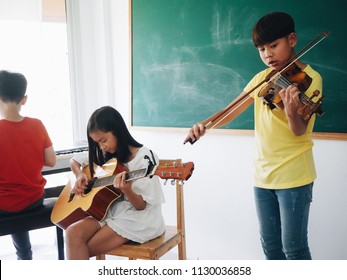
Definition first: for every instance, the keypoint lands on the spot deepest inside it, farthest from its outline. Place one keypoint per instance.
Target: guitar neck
(130, 176)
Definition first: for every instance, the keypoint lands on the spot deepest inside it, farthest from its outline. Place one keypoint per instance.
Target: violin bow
(241, 99)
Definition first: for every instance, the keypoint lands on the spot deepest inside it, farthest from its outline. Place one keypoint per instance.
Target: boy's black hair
(108, 119)
(272, 27)
(12, 86)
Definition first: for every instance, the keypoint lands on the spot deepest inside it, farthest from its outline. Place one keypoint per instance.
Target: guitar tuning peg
(165, 182)
(173, 182)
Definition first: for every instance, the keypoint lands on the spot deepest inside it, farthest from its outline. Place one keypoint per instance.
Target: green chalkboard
(191, 58)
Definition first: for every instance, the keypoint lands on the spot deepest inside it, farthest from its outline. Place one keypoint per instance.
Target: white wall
(220, 215)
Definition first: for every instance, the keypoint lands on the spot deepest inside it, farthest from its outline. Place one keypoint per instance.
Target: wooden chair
(156, 248)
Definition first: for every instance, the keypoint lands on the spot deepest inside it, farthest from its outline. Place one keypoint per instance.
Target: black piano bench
(37, 218)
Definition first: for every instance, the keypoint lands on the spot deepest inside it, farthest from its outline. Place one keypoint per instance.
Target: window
(34, 43)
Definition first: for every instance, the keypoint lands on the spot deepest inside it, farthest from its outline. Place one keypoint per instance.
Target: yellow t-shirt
(282, 160)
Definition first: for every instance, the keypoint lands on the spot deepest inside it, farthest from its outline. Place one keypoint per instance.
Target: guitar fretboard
(132, 175)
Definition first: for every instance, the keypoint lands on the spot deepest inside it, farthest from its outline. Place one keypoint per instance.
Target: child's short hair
(12, 86)
(272, 27)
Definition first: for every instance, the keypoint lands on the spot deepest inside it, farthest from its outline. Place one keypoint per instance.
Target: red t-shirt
(22, 147)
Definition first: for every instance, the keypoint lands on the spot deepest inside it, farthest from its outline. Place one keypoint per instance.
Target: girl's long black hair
(108, 119)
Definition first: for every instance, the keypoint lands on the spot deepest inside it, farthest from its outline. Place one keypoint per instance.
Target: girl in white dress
(138, 217)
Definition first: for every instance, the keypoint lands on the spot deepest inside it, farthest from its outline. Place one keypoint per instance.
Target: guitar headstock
(174, 169)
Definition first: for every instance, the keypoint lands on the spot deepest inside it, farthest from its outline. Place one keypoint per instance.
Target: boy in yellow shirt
(284, 169)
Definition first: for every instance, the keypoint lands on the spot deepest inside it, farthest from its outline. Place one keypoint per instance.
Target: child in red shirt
(25, 147)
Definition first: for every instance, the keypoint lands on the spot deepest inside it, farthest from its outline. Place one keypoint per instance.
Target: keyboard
(63, 158)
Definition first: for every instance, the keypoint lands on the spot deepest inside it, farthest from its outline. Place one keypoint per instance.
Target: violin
(292, 75)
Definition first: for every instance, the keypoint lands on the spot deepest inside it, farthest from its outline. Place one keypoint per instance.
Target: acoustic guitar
(100, 192)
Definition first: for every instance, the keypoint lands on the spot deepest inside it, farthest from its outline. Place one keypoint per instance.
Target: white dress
(139, 225)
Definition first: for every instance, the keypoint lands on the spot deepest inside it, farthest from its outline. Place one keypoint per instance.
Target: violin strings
(284, 83)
